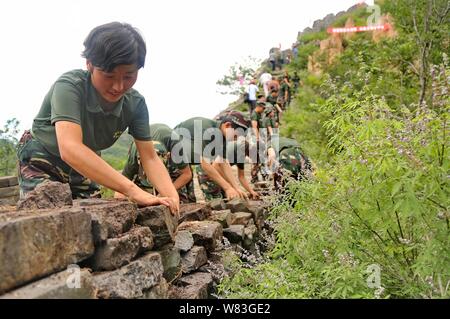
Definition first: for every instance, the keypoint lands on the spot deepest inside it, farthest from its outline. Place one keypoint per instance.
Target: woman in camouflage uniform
(85, 112)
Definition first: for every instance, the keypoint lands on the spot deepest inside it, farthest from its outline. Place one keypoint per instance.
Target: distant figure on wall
(264, 80)
(252, 90)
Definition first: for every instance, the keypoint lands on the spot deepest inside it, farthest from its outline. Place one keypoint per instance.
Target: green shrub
(382, 203)
(313, 36)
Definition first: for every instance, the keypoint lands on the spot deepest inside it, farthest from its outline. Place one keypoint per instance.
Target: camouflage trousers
(254, 172)
(211, 190)
(36, 165)
(259, 168)
(292, 164)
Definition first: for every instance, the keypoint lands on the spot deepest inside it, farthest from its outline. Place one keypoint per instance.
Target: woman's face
(111, 86)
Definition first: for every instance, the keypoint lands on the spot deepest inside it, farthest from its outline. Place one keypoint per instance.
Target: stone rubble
(118, 250)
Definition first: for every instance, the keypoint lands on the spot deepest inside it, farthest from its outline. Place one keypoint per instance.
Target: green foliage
(423, 21)
(8, 143)
(359, 17)
(312, 37)
(304, 51)
(383, 202)
(242, 107)
(303, 120)
(117, 155)
(230, 83)
(425, 24)
(379, 195)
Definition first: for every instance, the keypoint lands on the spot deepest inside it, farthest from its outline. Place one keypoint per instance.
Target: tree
(8, 143)
(233, 82)
(428, 21)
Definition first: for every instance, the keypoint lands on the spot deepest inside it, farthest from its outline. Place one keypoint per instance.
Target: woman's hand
(231, 193)
(118, 195)
(142, 198)
(254, 195)
(242, 194)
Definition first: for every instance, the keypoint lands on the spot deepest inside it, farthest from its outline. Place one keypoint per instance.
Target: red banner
(383, 27)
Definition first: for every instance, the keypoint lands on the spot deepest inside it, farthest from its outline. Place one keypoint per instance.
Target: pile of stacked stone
(53, 247)
(9, 190)
(206, 235)
(264, 188)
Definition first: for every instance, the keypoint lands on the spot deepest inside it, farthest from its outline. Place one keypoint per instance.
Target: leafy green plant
(383, 202)
(374, 221)
(230, 83)
(8, 142)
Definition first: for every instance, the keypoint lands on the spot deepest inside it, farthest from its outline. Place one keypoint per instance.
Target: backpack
(246, 96)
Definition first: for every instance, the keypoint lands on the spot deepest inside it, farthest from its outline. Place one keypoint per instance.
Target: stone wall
(328, 20)
(112, 249)
(9, 190)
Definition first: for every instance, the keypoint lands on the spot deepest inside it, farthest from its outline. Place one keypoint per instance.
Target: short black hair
(236, 119)
(113, 44)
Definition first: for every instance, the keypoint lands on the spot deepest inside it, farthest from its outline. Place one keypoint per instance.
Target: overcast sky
(190, 44)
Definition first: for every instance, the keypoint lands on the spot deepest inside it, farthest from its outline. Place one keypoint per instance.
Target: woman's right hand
(142, 198)
(231, 193)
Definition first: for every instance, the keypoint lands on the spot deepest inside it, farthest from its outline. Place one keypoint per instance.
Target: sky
(190, 45)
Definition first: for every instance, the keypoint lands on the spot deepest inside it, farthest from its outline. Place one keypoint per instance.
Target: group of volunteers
(266, 111)
(86, 111)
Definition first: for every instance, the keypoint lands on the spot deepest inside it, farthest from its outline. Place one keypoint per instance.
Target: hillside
(117, 154)
(372, 113)
(373, 220)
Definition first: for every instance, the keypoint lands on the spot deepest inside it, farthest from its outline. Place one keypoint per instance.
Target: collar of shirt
(93, 103)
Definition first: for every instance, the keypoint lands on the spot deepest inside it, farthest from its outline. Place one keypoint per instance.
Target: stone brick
(240, 218)
(196, 279)
(132, 280)
(206, 233)
(110, 219)
(11, 191)
(161, 222)
(250, 236)
(47, 195)
(116, 252)
(234, 233)
(194, 286)
(193, 259)
(9, 201)
(62, 285)
(93, 202)
(34, 244)
(195, 211)
(217, 204)
(258, 214)
(160, 291)
(184, 240)
(7, 181)
(237, 205)
(222, 216)
(171, 260)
